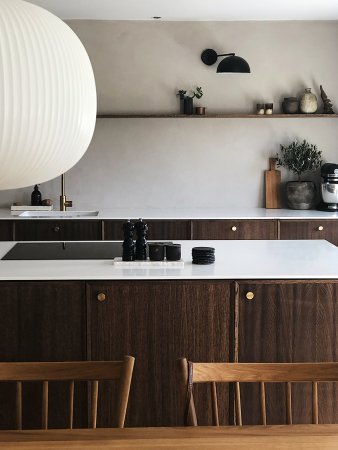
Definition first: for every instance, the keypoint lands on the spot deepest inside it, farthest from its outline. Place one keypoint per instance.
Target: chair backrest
(261, 373)
(92, 371)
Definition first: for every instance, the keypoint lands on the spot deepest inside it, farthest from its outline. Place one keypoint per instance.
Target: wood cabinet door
(157, 229)
(6, 230)
(234, 229)
(158, 322)
(42, 321)
(310, 229)
(58, 230)
(287, 322)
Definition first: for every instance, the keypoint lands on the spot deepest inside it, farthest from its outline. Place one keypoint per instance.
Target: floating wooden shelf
(216, 116)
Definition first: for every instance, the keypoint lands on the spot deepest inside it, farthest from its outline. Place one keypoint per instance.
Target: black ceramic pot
(188, 106)
(290, 105)
(300, 194)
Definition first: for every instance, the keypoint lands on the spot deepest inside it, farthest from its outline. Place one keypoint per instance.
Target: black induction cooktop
(64, 250)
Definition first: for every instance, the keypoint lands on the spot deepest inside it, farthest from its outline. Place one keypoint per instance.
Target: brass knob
(320, 228)
(101, 297)
(249, 295)
(56, 229)
(234, 228)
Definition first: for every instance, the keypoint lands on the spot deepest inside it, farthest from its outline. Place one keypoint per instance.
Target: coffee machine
(329, 187)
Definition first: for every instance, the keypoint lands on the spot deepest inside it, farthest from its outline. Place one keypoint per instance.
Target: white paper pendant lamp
(47, 96)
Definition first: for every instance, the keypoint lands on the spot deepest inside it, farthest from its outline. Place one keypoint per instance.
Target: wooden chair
(93, 371)
(261, 373)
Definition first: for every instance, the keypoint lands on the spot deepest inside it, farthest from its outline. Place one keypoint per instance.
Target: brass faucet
(64, 203)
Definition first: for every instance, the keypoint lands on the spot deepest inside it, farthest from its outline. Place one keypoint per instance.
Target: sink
(58, 214)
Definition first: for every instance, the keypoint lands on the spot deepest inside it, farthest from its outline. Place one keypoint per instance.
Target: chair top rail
(267, 372)
(63, 371)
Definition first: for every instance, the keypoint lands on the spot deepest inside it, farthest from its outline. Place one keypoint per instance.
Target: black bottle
(36, 198)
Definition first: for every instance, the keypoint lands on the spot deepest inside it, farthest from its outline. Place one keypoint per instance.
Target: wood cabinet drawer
(310, 229)
(157, 229)
(58, 230)
(144, 319)
(287, 321)
(6, 230)
(234, 229)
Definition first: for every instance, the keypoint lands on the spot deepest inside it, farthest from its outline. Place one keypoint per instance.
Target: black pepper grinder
(128, 243)
(141, 241)
(36, 198)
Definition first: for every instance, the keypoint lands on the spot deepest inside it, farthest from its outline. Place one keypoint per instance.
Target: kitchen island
(262, 301)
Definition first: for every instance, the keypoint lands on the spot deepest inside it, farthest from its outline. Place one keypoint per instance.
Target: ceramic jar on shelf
(308, 102)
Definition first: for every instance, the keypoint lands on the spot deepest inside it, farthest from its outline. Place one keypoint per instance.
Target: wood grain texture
(6, 230)
(310, 229)
(93, 371)
(210, 373)
(57, 230)
(234, 229)
(42, 321)
(288, 322)
(272, 186)
(216, 116)
(157, 322)
(310, 437)
(157, 229)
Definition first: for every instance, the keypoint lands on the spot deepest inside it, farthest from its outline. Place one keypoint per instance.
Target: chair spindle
(71, 404)
(19, 405)
(315, 402)
(238, 404)
(45, 405)
(95, 393)
(288, 404)
(262, 402)
(214, 403)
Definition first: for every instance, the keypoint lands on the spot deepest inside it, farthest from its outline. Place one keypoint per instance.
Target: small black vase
(188, 106)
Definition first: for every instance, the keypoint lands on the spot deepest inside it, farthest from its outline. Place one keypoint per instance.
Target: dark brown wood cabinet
(57, 230)
(310, 229)
(234, 229)
(42, 321)
(287, 321)
(158, 322)
(6, 230)
(157, 229)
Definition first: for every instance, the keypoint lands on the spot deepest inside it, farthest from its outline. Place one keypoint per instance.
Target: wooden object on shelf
(272, 186)
(215, 116)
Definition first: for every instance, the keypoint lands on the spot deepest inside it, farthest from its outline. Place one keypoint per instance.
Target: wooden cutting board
(272, 185)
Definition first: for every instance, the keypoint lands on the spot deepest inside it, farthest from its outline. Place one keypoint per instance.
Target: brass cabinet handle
(56, 228)
(249, 295)
(320, 228)
(234, 228)
(101, 297)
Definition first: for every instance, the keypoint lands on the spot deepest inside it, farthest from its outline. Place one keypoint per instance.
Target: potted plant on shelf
(187, 98)
(299, 158)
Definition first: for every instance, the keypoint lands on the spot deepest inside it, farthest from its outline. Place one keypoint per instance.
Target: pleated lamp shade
(47, 96)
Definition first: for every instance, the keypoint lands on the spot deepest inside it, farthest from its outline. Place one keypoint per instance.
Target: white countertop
(251, 259)
(187, 214)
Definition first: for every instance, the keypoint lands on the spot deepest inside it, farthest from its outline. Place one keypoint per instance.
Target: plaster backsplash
(156, 163)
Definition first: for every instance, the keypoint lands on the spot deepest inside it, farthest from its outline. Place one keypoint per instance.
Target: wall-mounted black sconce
(231, 62)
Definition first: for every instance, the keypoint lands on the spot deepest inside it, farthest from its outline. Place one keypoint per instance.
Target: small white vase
(308, 102)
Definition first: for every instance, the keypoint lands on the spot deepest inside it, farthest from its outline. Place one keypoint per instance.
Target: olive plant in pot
(300, 157)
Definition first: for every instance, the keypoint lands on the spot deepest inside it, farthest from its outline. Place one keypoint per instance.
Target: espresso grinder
(329, 187)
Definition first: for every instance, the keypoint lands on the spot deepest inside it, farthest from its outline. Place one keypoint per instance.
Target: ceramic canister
(308, 102)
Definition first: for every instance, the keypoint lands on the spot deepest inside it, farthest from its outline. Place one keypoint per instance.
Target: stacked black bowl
(203, 255)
